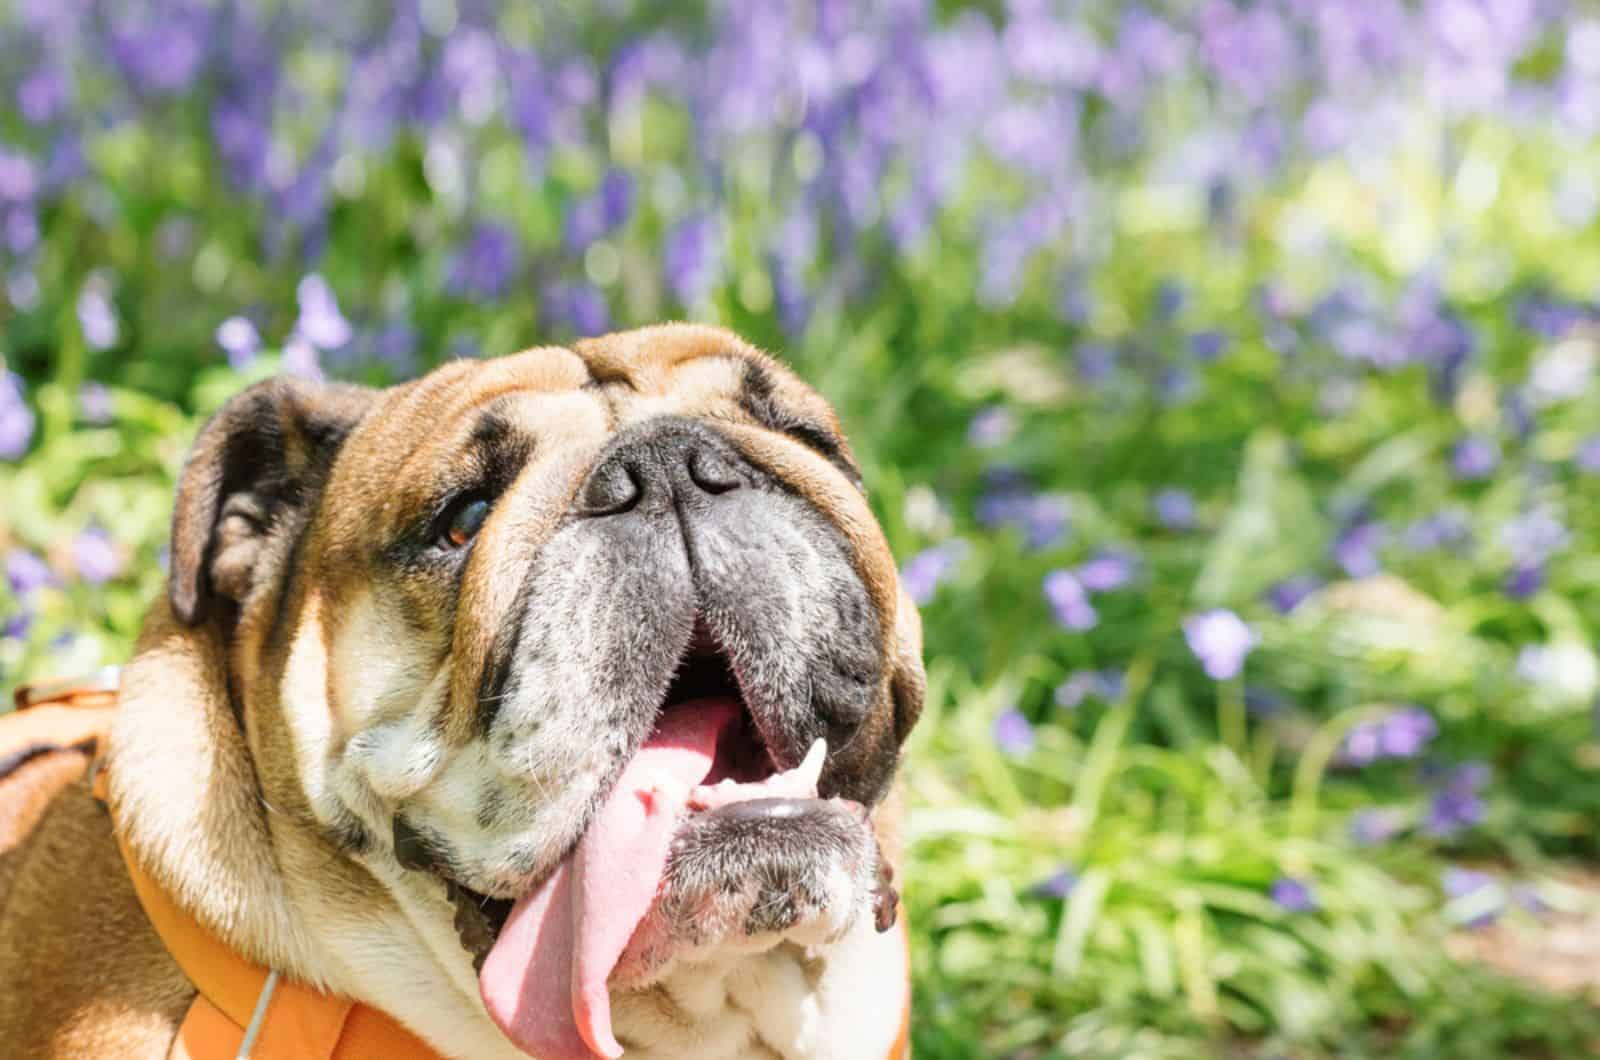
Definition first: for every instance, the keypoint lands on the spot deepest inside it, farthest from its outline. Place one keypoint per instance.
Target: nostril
(611, 490)
(712, 472)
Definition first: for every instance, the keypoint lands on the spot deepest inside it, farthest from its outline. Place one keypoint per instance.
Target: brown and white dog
(603, 636)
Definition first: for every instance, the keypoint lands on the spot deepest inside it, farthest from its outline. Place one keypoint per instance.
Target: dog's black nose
(651, 463)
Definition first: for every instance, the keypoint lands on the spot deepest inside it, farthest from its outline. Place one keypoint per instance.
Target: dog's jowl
(548, 705)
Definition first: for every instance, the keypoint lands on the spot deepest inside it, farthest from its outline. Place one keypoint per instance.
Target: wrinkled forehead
(561, 405)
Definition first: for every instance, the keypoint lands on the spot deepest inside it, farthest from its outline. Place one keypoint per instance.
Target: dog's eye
(465, 522)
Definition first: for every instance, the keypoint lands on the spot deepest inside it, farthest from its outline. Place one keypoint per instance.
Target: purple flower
(616, 198)
(1220, 640)
(240, 340)
(17, 625)
(1169, 299)
(16, 418)
(1208, 345)
(1456, 803)
(1524, 580)
(95, 556)
(927, 570)
(320, 322)
(1587, 458)
(26, 571)
(485, 266)
(1294, 896)
(1058, 884)
(1447, 528)
(1534, 537)
(1013, 734)
(300, 358)
(1084, 684)
(580, 307)
(43, 95)
(1069, 601)
(1480, 891)
(1096, 361)
(94, 403)
(1372, 827)
(992, 426)
(1107, 570)
(97, 317)
(1175, 509)
(691, 258)
(1356, 549)
(1290, 593)
(1474, 458)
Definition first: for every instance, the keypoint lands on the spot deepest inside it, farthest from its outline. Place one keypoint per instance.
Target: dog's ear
(258, 463)
(908, 683)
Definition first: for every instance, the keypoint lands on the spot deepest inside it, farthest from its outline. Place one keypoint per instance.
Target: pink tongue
(544, 982)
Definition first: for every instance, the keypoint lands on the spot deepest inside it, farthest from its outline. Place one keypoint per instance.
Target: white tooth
(810, 767)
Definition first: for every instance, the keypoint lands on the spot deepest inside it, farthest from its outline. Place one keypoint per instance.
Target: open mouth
(545, 958)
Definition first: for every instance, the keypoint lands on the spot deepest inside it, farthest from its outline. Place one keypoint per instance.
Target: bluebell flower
(691, 258)
(927, 570)
(1446, 528)
(1457, 804)
(17, 624)
(1013, 733)
(1069, 601)
(1587, 458)
(1475, 457)
(1107, 570)
(1081, 685)
(1460, 883)
(1208, 345)
(16, 418)
(321, 323)
(239, 340)
(1294, 895)
(300, 359)
(1058, 884)
(1356, 549)
(1403, 733)
(27, 571)
(44, 95)
(485, 266)
(1175, 509)
(97, 318)
(992, 426)
(1221, 640)
(1524, 580)
(1096, 361)
(1291, 592)
(96, 557)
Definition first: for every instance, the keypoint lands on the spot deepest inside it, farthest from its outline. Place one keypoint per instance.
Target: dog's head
(479, 619)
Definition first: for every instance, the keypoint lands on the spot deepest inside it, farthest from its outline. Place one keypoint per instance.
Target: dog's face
(461, 608)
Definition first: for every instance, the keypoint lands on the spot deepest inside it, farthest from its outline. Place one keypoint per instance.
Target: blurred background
(1224, 375)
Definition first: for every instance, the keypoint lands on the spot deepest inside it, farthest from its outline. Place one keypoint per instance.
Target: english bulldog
(550, 704)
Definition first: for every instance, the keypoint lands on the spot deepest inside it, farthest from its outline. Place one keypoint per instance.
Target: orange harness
(240, 1009)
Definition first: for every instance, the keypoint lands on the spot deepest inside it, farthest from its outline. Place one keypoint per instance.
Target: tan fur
(229, 823)
(82, 974)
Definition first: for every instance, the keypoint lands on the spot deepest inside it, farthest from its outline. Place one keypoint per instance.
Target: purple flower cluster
(1401, 734)
(1457, 802)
